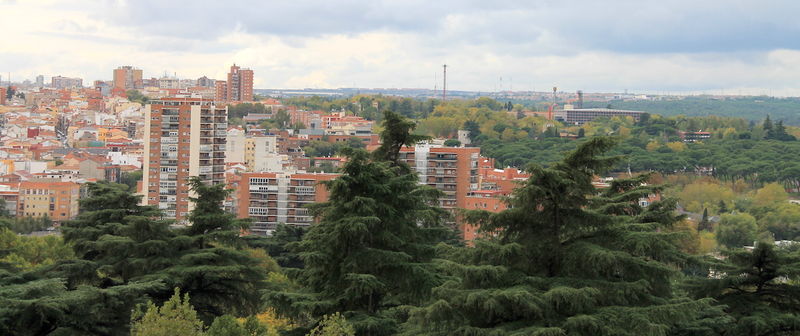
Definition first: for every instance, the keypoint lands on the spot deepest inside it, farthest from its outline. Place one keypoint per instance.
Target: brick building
(183, 137)
(238, 87)
(128, 77)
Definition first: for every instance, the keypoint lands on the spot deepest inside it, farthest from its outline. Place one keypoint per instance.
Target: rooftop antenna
(444, 84)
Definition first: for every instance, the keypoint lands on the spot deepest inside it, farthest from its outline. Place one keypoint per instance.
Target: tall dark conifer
(759, 289)
(567, 260)
(371, 252)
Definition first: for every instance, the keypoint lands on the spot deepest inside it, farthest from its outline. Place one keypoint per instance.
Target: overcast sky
(712, 46)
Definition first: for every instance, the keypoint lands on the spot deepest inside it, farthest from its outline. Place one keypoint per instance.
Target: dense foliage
(371, 253)
(561, 261)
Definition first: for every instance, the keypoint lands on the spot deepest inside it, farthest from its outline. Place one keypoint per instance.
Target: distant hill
(752, 108)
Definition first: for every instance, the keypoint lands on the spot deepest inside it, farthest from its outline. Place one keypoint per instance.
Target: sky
(666, 46)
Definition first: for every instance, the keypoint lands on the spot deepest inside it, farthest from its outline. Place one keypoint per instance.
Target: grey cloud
(620, 26)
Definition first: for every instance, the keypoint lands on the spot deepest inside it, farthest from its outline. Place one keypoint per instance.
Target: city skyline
(678, 47)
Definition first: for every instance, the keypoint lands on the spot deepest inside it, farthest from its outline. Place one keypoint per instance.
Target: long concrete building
(580, 116)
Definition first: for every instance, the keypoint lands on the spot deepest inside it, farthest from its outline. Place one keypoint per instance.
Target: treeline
(750, 108)
(564, 259)
(754, 153)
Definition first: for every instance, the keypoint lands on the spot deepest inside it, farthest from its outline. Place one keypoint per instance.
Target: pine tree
(371, 252)
(723, 207)
(216, 270)
(759, 290)
(781, 134)
(769, 132)
(397, 132)
(705, 224)
(125, 255)
(567, 260)
(175, 318)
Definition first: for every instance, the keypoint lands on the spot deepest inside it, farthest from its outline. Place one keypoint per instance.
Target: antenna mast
(444, 85)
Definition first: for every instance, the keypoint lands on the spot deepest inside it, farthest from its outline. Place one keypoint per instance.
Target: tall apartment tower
(452, 170)
(184, 137)
(128, 77)
(238, 87)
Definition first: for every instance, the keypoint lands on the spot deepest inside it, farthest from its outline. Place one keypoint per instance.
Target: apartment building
(261, 153)
(60, 82)
(238, 87)
(452, 170)
(128, 77)
(183, 137)
(272, 198)
(54, 199)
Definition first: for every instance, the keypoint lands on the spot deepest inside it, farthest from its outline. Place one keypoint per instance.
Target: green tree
(136, 96)
(452, 143)
(27, 253)
(770, 194)
(397, 132)
(758, 289)
(131, 179)
(333, 325)
(226, 325)
(769, 132)
(176, 317)
(705, 224)
(474, 129)
(722, 208)
(371, 252)
(567, 260)
(783, 220)
(736, 230)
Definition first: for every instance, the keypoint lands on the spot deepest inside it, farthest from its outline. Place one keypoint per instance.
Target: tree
(371, 252)
(736, 230)
(567, 260)
(780, 132)
(136, 96)
(783, 221)
(705, 224)
(770, 194)
(131, 179)
(722, 207)
(278, 244)
(756, 289)
(333, 325)
(27, 253)
(397, 132)
(452, 143)
(176, 317)
(581, 133)
(769, 132)
(226, 325)
(473, 128)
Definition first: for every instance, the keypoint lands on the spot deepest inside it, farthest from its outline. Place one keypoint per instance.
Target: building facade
(183, 137)
(54, 199)
(580, 116)
(128, 77)
(238, 87)
(452, 170)
(60, 82)
(272, 198)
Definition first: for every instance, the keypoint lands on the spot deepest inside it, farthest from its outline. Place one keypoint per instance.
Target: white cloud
(651, 46)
